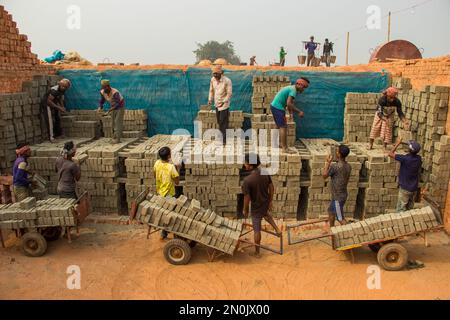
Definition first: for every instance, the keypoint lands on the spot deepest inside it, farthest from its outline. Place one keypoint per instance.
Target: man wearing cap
(285, 99)
(383, 123)
(117, 108)
(408, 178)
(52, 105)
(221, 90)
(21, 173)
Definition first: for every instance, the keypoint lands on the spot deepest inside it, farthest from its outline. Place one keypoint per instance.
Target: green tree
(213, 50)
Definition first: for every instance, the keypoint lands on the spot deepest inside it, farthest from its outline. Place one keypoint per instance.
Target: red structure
(397, 49)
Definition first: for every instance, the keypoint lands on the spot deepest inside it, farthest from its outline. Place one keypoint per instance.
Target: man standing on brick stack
(285, 98)
(311, 48)
(221, 90)
(68, 172)
(258, 190)
(117, 108)
(383, 123)
(52, 105)
(327, 50)
(408, 177)
(340, 175)
(21, 173)
(283, 55)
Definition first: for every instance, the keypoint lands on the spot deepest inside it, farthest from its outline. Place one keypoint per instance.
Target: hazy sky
(166, 31)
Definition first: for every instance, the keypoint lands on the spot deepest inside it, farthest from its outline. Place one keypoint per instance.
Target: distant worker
(310, 47)
(220, 92)
(285, 99)
(409, 174)
(258, 190)
(68, 172)
(117, 108)
(340, 175)
(383, 123)
(166, 176)
(283, 55)
(253, 61)
(52, 105)
(327, 50)
(21, 173)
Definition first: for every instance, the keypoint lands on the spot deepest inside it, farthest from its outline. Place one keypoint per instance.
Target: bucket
(323, 59)
(301, 59)
(333, 59)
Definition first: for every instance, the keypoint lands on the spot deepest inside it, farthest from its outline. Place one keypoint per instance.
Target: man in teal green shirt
(282, 56)
(285, 99)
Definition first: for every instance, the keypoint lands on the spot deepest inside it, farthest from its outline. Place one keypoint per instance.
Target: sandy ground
(117, 262)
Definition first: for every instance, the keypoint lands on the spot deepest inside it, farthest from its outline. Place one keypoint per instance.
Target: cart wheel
(177, 252)
(375, 247)
(51, 233)
(392, 257)
(34, 244)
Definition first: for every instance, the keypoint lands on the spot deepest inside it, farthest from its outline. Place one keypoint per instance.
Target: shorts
(279, 116)
(337, 207)
(256, 222)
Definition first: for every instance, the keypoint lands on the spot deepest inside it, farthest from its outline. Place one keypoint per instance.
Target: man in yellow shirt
(166, 176)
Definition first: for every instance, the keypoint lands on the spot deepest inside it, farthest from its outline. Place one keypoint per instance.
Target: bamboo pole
(346, 52)
(389, 27)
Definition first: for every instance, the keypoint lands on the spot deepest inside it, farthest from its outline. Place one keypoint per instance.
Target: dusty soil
(117, 262)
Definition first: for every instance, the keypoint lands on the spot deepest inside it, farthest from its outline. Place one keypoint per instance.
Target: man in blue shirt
(21, 179)
(408, 178)
(310, 47)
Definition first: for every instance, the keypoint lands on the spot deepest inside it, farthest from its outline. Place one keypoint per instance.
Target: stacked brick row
(189, 220)
(438, 184)
(208, 120)
(384, 227)
(43, 213)
(73, 127)
(134, 124)
(263, 124)
(141, 158)
(358, 115)
(319, 193)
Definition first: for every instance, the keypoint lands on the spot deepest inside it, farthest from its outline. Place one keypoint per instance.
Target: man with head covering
(220, 92)
(409, 174)
(68, 172)
(283, 55)
(52, 105)
(117, 108)
(285, 99)
(21, 173)
(383, 123)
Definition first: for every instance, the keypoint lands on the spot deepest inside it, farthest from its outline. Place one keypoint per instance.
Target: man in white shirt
(220, 89)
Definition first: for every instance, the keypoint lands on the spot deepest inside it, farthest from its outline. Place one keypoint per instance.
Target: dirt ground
(117, 262)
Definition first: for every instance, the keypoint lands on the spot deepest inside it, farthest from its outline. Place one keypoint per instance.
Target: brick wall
(17, 62)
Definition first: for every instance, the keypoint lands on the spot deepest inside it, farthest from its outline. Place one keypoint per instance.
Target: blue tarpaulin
(172, 97)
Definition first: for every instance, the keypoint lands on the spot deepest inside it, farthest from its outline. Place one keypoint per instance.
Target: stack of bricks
(263, 124)
(140, 160)
(265, 89)
(81, 124)
(101, 171)
(319, 193)
(380, 176)
(30, 213)
(358, 115)
(134, 124)
(189, 220)
(438, 184)
(387, 226)
(208, 119)
(212, 176)
(43, 160)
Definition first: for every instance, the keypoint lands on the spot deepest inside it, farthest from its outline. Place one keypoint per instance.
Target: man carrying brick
(166, 176)
(21, 173)
(408, 177)
(383, 123)
(52, 105)
(220, 90)
(285, 99)
(117, 108)
(68, 172)
(340, 175)
(258, 190)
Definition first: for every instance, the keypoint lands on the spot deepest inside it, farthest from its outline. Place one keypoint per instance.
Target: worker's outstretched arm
(246, 204)
(394, 149)
(229, 91)
(211, 93)
(271, 193)
(292, 108)
(51, 103)
(101, 102)
(326, 169)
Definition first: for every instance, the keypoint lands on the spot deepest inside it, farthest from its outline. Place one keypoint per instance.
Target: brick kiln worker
(68, 172)
(285, 98)
(383, 122)
(258, 190)
(21, 173)
(52, 105)
(221, 90)
(117, 108)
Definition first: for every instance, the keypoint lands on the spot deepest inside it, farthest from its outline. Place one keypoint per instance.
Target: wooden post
(389, 27)
(346, 52)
